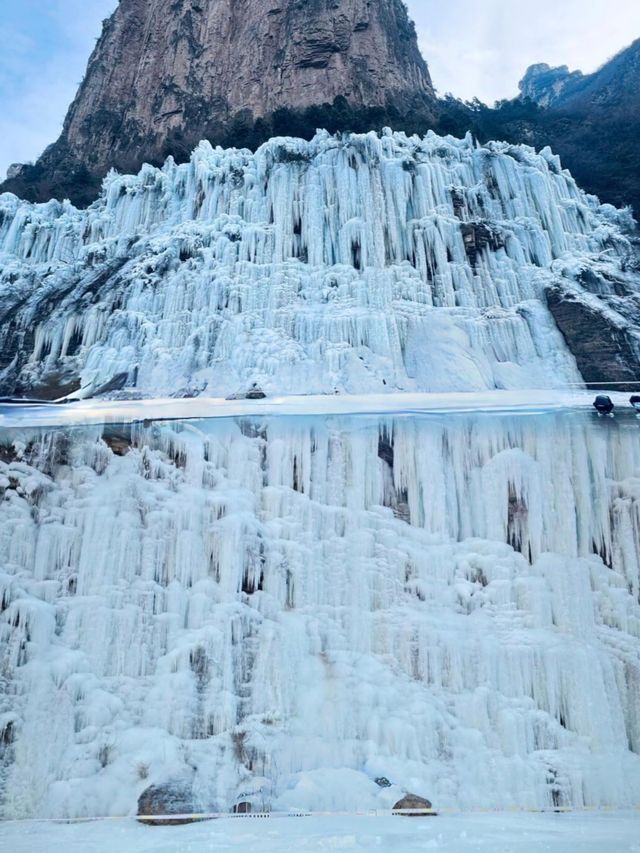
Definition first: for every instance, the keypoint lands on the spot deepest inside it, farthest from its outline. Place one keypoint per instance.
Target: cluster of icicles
(282, 611)
(353, 264)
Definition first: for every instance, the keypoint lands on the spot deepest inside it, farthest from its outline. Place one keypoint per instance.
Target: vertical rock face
(168, 73)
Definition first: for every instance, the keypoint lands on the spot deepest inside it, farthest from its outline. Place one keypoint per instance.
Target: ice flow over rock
(352, 263)
(281, 611)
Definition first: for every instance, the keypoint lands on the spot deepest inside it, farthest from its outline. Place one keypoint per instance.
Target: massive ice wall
(283, 610)
(351, 263)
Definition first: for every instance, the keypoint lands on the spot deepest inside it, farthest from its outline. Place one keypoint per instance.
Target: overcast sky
(474, 48)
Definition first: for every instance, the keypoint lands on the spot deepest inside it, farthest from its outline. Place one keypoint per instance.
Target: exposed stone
(117, 439)
(254, 393)
(117, 383)
(166, 73)
(546, 85)
(169, 798)
(479, 236)
(606, 351)
(411, 804)
(53, 385)
(16, 169)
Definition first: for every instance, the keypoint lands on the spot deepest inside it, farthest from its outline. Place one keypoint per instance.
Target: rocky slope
(611, 86)
(166, 74)
(546, 85)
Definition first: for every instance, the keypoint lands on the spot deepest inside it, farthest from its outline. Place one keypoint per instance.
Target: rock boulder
(164, 800)
(411, 804)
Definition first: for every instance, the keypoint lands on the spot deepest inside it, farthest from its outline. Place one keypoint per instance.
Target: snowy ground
(107, 411)
(613, 832)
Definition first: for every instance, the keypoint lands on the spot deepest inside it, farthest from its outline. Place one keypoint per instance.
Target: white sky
(474, 48)
(483, 47)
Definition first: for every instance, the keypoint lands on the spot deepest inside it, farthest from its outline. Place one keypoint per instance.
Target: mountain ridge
(594, 124)
(612, 83)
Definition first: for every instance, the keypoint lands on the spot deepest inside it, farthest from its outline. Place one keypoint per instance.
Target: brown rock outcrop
(167, 73)
(411, 805)
(158, 803)
(606, 345)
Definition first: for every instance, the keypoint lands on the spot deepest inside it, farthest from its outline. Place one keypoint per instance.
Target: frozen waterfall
(354, 264)
(281, 610)
(279, 607)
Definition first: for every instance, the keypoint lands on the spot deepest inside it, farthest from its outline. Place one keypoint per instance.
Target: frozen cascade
(282, 609)
(356, 263)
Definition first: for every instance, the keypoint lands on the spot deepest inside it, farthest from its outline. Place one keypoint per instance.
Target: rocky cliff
(167, 73)
(613, 86)
(546, 85)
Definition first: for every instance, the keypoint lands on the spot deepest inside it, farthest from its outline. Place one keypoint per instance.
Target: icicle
(359, 262)
(266, 604)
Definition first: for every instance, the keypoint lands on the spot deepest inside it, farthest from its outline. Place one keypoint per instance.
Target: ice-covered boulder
(411, 804)
(166, 799)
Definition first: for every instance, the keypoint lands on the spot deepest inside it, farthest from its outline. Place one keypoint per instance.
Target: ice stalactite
(279, 610)
(282, 610)
(352, 263)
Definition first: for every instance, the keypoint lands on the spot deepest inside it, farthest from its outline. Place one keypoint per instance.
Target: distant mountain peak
(615, 82)
(547, 85)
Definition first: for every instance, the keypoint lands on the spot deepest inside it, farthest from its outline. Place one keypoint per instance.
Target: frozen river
(400, 404)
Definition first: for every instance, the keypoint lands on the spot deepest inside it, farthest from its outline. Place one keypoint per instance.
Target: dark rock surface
(605, 345)
(169, 798)
(254, 393)
(412, 803)
(479, 236)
